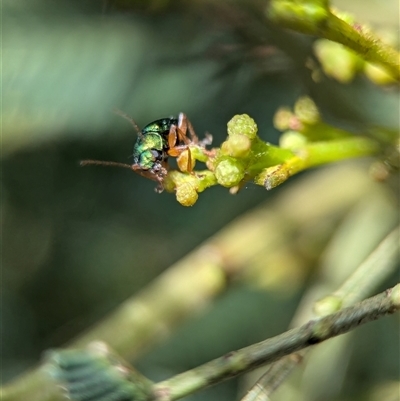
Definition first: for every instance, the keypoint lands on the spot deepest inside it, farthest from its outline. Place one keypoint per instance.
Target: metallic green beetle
(155, 143)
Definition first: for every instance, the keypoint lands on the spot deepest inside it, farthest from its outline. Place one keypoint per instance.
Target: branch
(315, 154)
(268, 351)
(376, 267)
(193, 282)
(314, 17)
(96, 373)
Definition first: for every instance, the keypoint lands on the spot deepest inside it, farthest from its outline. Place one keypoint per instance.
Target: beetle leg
(178, 150)
(184, 125)
(161, 174)
(182, 128)
(157, 176)
(207, 140)
(177, 134)
(151, 174)
(189, 167)
(172, 137)
(193, 135)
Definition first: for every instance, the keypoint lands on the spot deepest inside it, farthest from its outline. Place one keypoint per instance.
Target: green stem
(367, 46)
(315, 18)
(314, 154)
(268, 351)
(370, 273)
(318, 153)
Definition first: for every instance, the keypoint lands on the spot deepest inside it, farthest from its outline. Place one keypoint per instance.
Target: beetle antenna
(129, 118)
(104, 163)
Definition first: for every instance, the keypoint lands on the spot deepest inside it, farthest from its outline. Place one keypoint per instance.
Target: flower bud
(306, 110)
(229, 172)
(236, 146)
(186, 194)
(242, 124)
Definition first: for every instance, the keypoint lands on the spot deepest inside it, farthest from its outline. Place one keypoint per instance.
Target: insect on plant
(155, 143)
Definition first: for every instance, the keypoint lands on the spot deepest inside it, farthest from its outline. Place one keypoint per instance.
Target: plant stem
(314, 17)
(268, 351)
(370, 273)
(314, 154)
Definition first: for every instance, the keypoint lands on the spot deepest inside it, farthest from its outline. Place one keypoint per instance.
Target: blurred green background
(78, 241)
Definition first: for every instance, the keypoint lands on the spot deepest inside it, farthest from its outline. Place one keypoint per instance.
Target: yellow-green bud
(236, 146)
(229, 172)
(292, 140)
(327, 305)
(306, 110)
(337, 60)
(186, 194)
(282, 118)
(242, 124)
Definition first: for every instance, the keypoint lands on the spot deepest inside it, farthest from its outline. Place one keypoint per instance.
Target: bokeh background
(77, 241)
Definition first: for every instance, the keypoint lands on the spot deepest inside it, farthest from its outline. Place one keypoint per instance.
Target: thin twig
(268, 351)
(314, 17)
(378, 265)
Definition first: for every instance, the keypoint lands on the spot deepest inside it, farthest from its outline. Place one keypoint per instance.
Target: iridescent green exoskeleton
(155, 143)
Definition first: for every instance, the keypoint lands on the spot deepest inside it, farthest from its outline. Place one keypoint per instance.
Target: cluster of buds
(229, 166)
